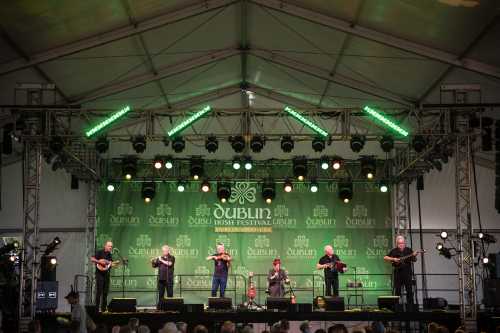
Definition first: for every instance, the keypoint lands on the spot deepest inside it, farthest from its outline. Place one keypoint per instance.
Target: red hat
(277, 261)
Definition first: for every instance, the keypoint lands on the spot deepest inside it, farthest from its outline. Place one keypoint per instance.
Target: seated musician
(276, 280)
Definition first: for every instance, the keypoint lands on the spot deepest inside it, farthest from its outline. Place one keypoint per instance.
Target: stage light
(236, 163)
(480, 235)
(13, 258)
(158, 162)
(445, 252)
(268, 191)
(357, 143)
(324, 162)
(485, 260)
(102, 145)
(53, 261)
(169, 162)
(487, 238)
(211, 144)
(385, 120)
(383, 187)
(314, 187)
(181, 186)
(196, 167)
(110, 187)
(129, 167)
(56, 144)
(287, 186)
(139, 144)
(287, 144)
(148, 191)
(106, 122)
(443, 235)
(237, 143)
(188, 121)
(306, 121)
(52, 246)
(337, 163)
(345, 191)
(300, 168)
(178, 144)
(386, 143)
(439, 246)
(248, 163)
(223, 191)
(205, 186)
(257, 143)
(318, 144)
(418, 143)
(368, 167)
(9, 248)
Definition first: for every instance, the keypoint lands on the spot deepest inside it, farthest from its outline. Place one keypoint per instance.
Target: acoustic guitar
(105, 265)
(403, 258)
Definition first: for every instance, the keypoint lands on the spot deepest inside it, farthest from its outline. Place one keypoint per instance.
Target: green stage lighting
(386, 121)
(191, 119)
(306, 121)
(115, 116)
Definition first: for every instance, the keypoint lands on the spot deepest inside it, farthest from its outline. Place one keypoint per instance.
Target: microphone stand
(125, 263)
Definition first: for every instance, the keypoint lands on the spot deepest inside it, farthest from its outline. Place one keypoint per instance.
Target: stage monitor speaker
(46, 295)
(334, 303)
(220, 303)
(491, 293)
(193, 308)
(278, 303)
(305, 307)
(388, 302)
(171, 304)
(122, 305)
(435, 303)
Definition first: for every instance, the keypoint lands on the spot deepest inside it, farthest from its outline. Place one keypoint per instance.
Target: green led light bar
(306, 121)
(107, 121)
(186, 122)
(386, 121)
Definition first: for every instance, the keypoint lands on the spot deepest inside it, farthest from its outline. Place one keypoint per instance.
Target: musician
(276, 279)
(105, 258)
(222, 262)
(402, 271)
(328, 263)
(165, 264)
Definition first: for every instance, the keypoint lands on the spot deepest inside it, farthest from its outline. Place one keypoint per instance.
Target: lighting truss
(191, 119)
(106, 122)
(306, 121)
(386, 121)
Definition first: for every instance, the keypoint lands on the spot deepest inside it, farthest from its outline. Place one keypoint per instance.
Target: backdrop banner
(294, 227)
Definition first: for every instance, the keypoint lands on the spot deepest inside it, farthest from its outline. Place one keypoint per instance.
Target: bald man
(327, 264)
(165, 264)
(102, 277)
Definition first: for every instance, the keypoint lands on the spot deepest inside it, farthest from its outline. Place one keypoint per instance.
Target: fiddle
(223, 256)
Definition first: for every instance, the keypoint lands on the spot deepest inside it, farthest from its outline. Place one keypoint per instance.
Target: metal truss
(32, 169)
(401, 207)
(90, 237)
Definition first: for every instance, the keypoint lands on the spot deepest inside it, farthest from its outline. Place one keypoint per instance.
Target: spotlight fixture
(439, 246)
(196, 168)
(52, 246)
(345, 191)
(287, 144)
(443, 235)
(383, 187)
(148, 191)
(337, 163)
(181, 186)
(237, 143)
(386, 143)
(53, 261)
(110, 187)
(268, 191)
(318, 144)
(169, 162)
(300, 168)
(444, 251)
(129, 167)
(236, 163)
(486, 238)
(314, 186)
(257, 143)
(178, 144)
(418, 143)
(248, 163)
(368, 167)
(102, 145)
(56, 144)
(223, 191)
(287, 186)
(158, 162)
(324, 162)
(485, 260)
(211, 144)
(357, 143)
(139, 144)
(205, 186)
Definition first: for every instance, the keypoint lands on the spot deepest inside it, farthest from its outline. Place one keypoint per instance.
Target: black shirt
(101, 254)
(329, 272)
(405, 265)
(221, 266)
(165, 272)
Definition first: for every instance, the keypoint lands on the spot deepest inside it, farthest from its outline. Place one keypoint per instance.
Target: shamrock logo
(359, 211)
(261, 241)
(124, 209)
(281, 211)
(241, 192)
(163, 210)
(320, 211)
(380, 241)
(301, 241)
(143, 241)
(183, 241)
(341, 241)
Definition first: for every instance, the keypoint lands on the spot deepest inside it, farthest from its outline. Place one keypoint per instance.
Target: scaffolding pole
(90, 239)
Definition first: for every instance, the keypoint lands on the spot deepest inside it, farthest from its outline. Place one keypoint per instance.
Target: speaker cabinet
(220, 303)
(388, 303)
(193, 308)
(278, 303)
(435, 303)
(334, 303)
(491, 293)
(122, 305)
(46, 295)
(171, 304)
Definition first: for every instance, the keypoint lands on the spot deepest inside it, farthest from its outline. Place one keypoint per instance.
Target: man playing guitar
(104, 262)
(331, 264)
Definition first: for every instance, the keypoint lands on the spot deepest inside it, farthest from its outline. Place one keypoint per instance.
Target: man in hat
(78, 323)
(277, 279)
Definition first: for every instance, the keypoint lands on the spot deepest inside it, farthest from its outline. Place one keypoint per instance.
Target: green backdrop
(295, 227)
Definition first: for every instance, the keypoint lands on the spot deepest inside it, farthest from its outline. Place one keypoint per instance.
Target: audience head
(133, 323)
(377, 327)
(228, 327)
(320, 330)
(432, 327)
(34, 326)
(200, 329)
(337, 328)
(284, 325)
(247, 329)
(305, 327)
(143, 329)
(169, 328)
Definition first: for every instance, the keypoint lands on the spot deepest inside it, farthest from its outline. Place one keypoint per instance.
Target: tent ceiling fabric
(145, 55)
